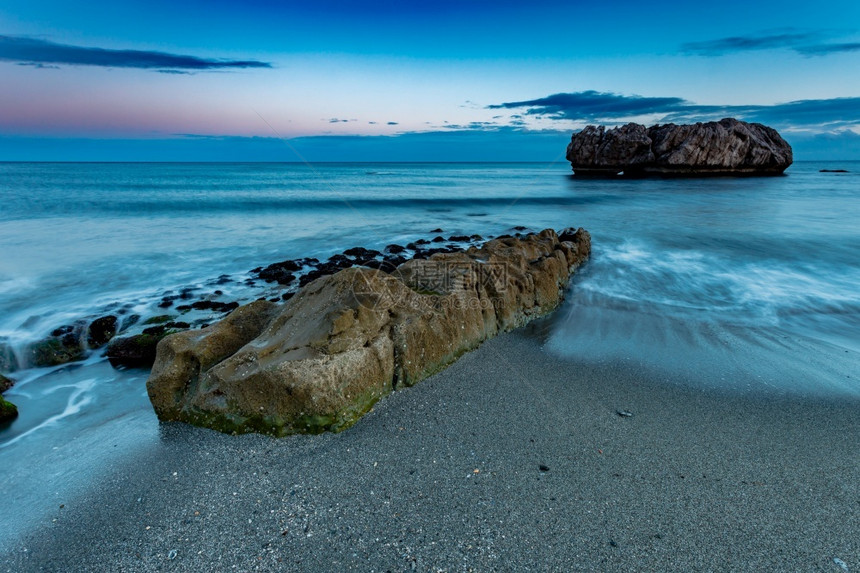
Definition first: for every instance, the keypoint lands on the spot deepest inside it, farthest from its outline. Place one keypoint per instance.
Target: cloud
(39, 66)
(817, 115)
(392, 123)
(592, 105)
(803, 43)
(746, 43)
(826, 49)
(40, 52)
(338, 120)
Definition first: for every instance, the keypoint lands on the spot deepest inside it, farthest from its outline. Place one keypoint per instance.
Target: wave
(184, 205)
(77, 401)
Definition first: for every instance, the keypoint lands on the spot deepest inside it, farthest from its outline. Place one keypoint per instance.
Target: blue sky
(219, 80)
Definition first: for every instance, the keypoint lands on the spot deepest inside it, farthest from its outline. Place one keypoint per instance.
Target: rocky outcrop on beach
(725, 147)
(321, 360)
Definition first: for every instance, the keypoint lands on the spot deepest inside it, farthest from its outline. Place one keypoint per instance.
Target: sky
(333, 80)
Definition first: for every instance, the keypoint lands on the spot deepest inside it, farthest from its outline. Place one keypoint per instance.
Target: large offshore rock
(601, 152)
(346, 340)
(725, 147)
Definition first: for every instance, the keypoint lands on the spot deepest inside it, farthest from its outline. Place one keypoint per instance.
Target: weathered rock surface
(320, 361)
(725, 147)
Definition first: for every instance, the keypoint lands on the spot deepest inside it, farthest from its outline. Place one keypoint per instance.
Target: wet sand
(511, 459)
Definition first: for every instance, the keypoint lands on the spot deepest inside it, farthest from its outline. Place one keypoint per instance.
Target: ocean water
(734, 284)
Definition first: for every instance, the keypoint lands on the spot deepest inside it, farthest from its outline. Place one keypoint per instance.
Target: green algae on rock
(8, 411)
(323, 359)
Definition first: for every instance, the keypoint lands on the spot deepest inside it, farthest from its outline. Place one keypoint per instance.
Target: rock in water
(597, 151)
(725, 147)
(323, 359)
(101, 330)
(5, 383)
(8, 412)
(66, 344)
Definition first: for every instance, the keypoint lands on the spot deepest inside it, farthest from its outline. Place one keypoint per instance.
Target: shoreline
(694, 479)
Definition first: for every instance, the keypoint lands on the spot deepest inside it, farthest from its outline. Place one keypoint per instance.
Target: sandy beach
(511, 459)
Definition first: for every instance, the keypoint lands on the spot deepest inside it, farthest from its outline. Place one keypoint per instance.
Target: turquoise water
(732, 283)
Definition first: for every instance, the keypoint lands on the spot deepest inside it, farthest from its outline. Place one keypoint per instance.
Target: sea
(737, 285)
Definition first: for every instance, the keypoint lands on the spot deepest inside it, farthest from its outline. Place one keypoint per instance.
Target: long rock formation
(321, 360)
(725, 147)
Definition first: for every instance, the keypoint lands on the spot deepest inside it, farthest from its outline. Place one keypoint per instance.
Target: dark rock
(437, 231)
(520, 228)
(395, 261)
(279, 276)
(5, 383)
(166, 328)
(101, 330)
(159, 319)
(311, 276)
(66, 344)
(725, 147)
(439, 239)
(165, 304)
(214, 305)
(63, 330)
(477, 238)
(187, 293)
(568, 234)
(136, 351)
(155, 330)
(281, 273)
(8, 412)
(183, 308)
(459, 238)
(543, 468)
(287, 295)
(342, 261)
(223, 279)
(422, 242)
(395, 249)
(362, 253)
